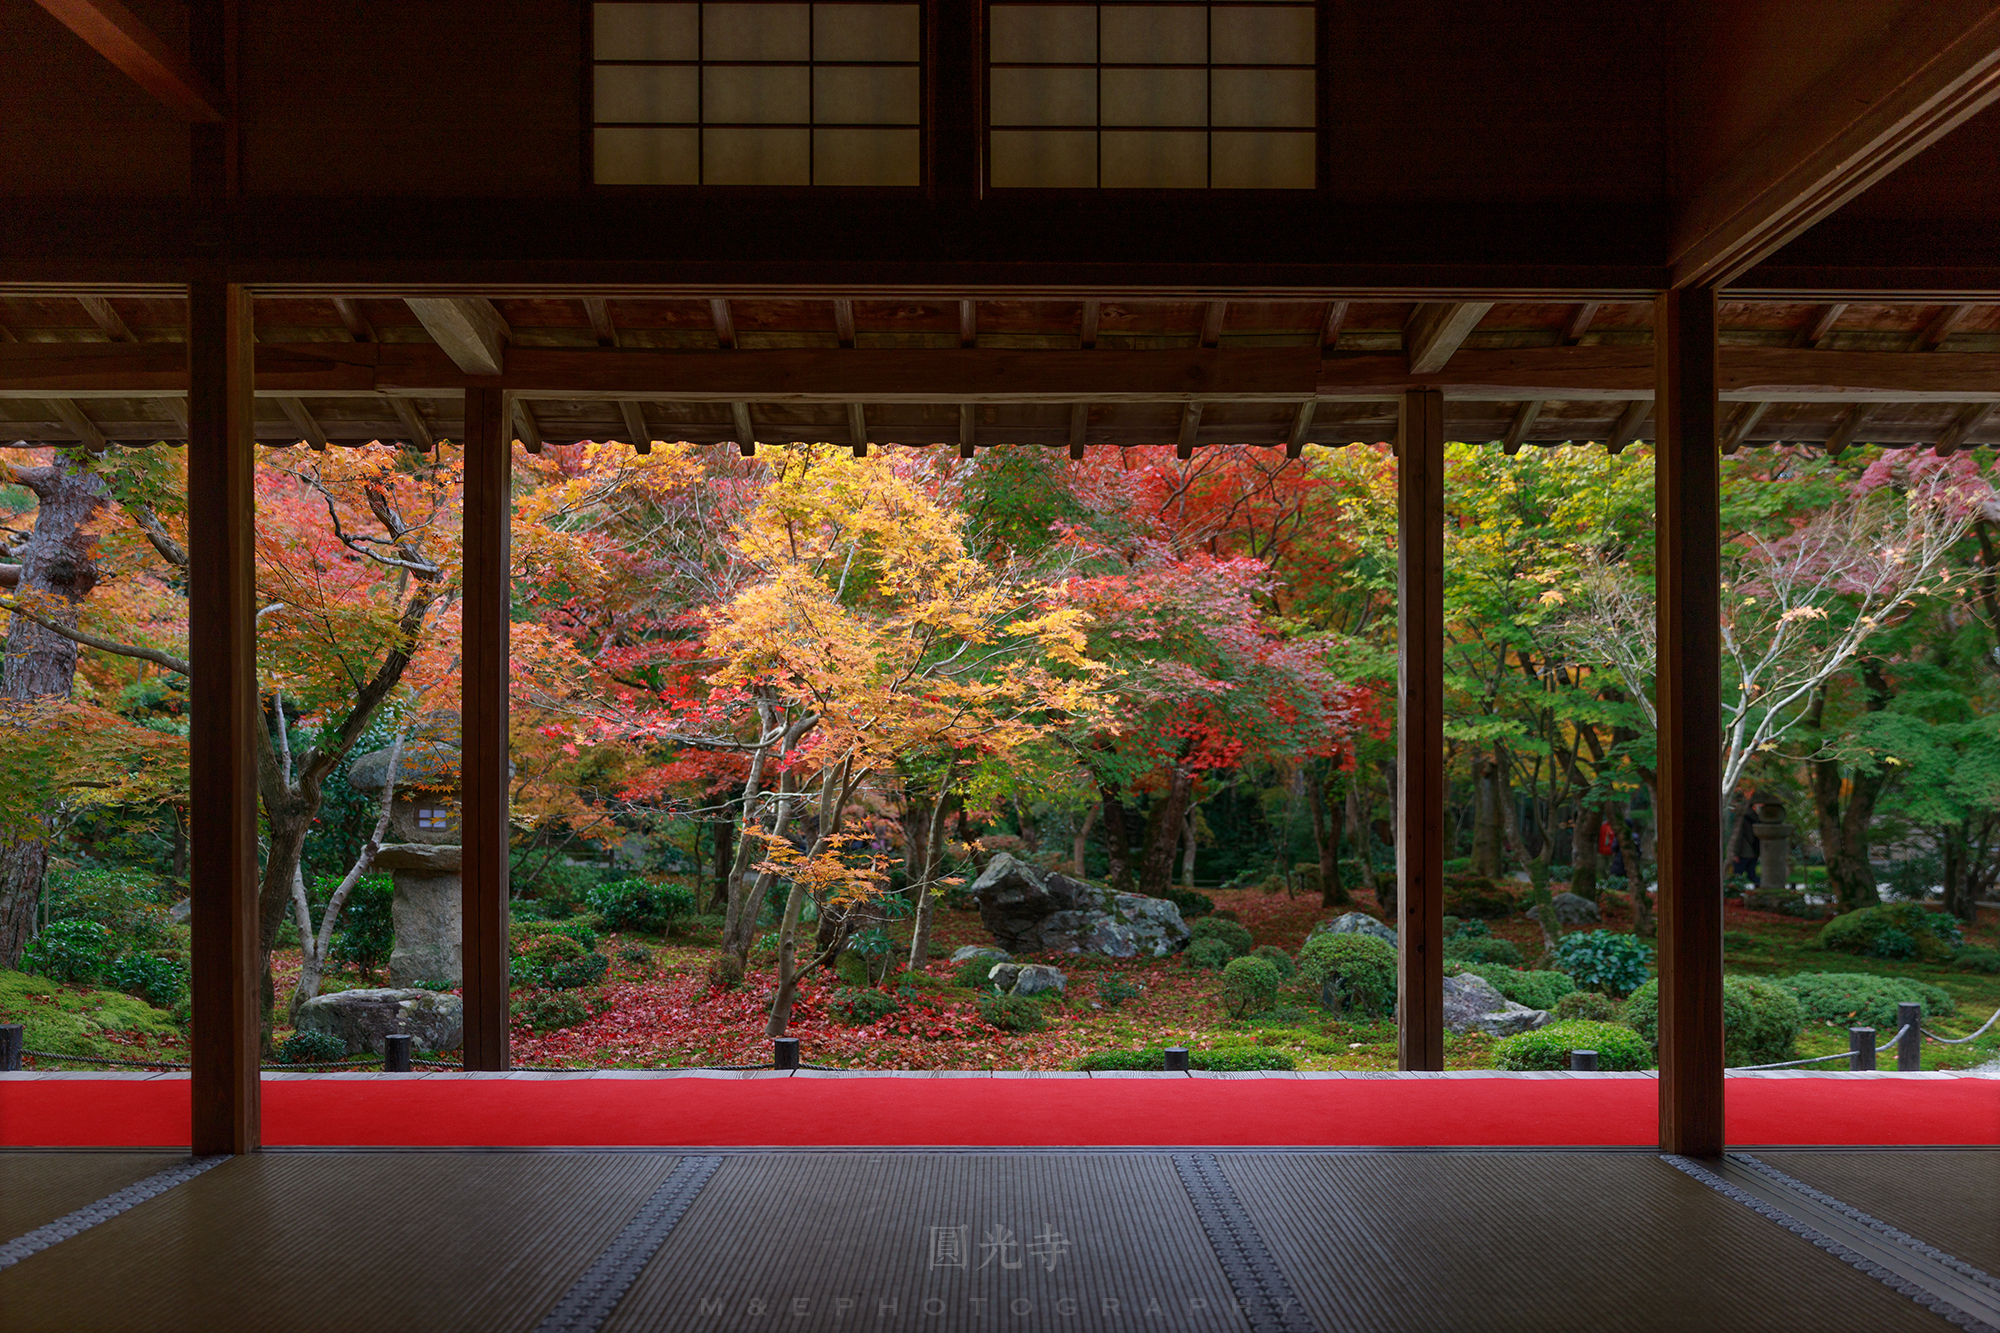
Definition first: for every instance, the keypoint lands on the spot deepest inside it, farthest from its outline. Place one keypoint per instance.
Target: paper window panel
(754, 32)
(1043, 34)
(1153, 34)
(1263, 160)
(866, 157)
(1154, 160)
(756, 156)
(1044, 97)
(1044, 159)
(865, 95)
(876, 34)
(1256, 35)
(648, 94)
(634, 156)
(756, 95)
(646, 32)
(1262, 97)
(1154, 97)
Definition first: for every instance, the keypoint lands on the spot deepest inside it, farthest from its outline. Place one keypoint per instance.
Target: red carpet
(980, 1112)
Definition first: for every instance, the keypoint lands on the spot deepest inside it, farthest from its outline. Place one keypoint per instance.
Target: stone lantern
(1774, 838)
(423, 853)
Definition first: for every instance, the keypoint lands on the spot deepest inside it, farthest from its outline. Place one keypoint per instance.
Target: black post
(1583, 1062)
(10, 1047)
(396, 1053)
(1910, 1045)
(785, 1053)
(1177, 1060)
(1861, 1048)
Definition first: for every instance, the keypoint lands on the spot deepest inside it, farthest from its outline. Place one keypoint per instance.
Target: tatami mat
(1945, 1197)
(36, 1188)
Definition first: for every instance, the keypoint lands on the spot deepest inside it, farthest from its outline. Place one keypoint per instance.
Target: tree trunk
(58, 570)
(724, 834)
(1958, 894)
(920, 930)
(1632, 842)
(1326, 841)
(1156, 869)
(1187, 850)
(1081, 847)
(1844, 822)
(1485, 816)
(1357, 829)
(1117, 840)
(1583, 848)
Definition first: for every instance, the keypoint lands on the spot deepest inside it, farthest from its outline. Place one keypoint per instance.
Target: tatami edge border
(557, 1075)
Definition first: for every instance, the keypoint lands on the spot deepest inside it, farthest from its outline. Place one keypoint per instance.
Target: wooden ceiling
(978, 371)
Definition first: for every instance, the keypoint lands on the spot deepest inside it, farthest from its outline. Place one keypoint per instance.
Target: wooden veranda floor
(1106, 1240)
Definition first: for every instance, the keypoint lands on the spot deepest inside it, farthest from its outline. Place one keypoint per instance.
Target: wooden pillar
(1420, 823)
(222, 693)
(1689, 827)
(488, 515)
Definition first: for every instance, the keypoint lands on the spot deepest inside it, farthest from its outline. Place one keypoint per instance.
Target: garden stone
(425, 859)
(1032, 910)
(1035, 978)
(979, 951)
(181, 911)
(362, 1018)
(1357, 923)
(1474, 1004)
(1574, 909)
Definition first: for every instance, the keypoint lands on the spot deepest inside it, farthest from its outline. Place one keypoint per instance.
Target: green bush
(1605, 960)
(1977, 958)
(548, 1011)
(160, 982)
(1760, 1019)
(1537, 990)
(1154, 1058)
(1113, 991)
(1588, 1005)
(1618, 1048)
(1277, 958)
(128, 903)
(312, 1048)
(859, 1008)
(973, 973)
(1209, 953)
(577, 928)
(640, 905)
(1894, 931)
(635, 953)
(74, 951)
(1483, 949)
(557, 962)
(1013, 1013)
(366, 934)
(1354, 973)
(1476, 896)
(1862, 999)
(1192, 904)
(1232, 933)
(1249, 986)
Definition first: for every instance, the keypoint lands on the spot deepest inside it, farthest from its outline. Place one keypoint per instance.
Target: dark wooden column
(489, 485)
(222, 819)
(1689, 829)
(1420, 827)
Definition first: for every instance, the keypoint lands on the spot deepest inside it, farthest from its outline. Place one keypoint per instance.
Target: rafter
(468, 329)
(635, 426)
(77, 423)
(1626, 429)
(598, 310)
(967, 431)
(303, 422)
(1822, 324)
(1940, 328)
(1329, 329)
(1079, 426)
(1438, 329)
(724, 320)
(968, 323)
(1523, 422)
(1211, 323)
(857, 429)
(746, 434)
(843, 322)
(420, 434)
(358, 327)
(1746, 421)
(122, 38)
(1302, 421)
(1849, 426)
(1579, 323)
(1968, 420)
(531, 429)
(1087, 326)
(1190, 426)
(106, 319)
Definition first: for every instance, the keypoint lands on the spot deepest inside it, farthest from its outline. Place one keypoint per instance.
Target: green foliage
(312, 1048)
(1249, 986)
(1588, 1005)
(1976, 958)
(1618, 1048)
(1013, 1013)
(1893, 931)
(701, 928)
(1537, 990)
(577, 928)
(74, 950)
(1480, 898)
(973, 973)
(1483, 949)
(58, 1018)
(1605, 960)
(1191, 904)
(1154, 1058)
(860, 1007)
(1277, 958)
(852, 969)
(1354, 973)
(130, 905)
(1114, 990)
(635, 953)
(640, 905)
(912, 983)
(1209, 953)
(1862, 999)
(366, 934)
(557, 962)
(1232, 933)
(549, 1011)
(1760, 1019)
(160, 982)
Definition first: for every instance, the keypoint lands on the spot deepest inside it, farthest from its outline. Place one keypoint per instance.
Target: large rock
(1028, 978)
(979, 951)
(1357, 923)
(1474, 1004)
(427, 911)
(362, 1018)
(1031, 910)
(425, 858)
(1573, 909)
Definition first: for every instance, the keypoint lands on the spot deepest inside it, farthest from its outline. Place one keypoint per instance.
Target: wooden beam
(302, 421)
(1941, 327)
(967, 431)
(222, 690)
(598, 310)
(968, 323)
(843, 322)
(1420, 775)
(1969, 419)
(641, 438)
(1822, 324)
(1746, 421)
(358, 327)
(1079, 426)
(1850, 424)
(1212, 318)
(1579, 323)
(1329, 330)
(1688, 536)
(746, 437)
(857, 429)
(531, 429)
(1087, 326)
(1302, 421)
(1524, 420)
(725, 322)
(105, 318)
(1932, 69)
(1627, 429)
(1438, 329)
(486, 650)
(420, 434)
(117, 34)
(1190, 425)
(467, 328)
(72, 416)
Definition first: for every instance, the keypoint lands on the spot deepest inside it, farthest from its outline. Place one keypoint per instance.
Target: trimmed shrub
(312, 1048)
(1277, 958)
(557, 962)
(1154, 1059)
(973, 973)
(1113, 991)
(1192, 904)
(859, 1008)
(1976, 958)
(1760, 1019)
(1618, 1048)
(640, 905)
(1483, 949)
(1209, 953)
(1862, 999)
(577, 928)
(366, 935)
(1354, 973)
(75, 951)
(158, 981)
(1589, 1005)
(1232, 933)
(1894, 931)
(1537, 990)
(635, 953)
(1249, 986)
(1013, 1013)
(549, 1011)
(1605, 960)
(1476, 896)
(908, 983)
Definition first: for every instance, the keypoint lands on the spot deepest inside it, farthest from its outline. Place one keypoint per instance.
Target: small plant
(158, 981)
(859, 1008)
(1760, 1019)
(1234, 934)
(1483, 949)
(1249, 986)
(1862, 999)
(1152, 1059)
(1618, 1048)
(312, 1048)
(1192, 904)
(367, 932)
(1478, 897)
(1277, 958)
(1605, 960)
(1354, 973)
(1589, 1005)
(1537, 990)
(557, 962)
(635, 953)
(550, 1011)
(1013, 1013)
(1113, 991)
(577, 928)
(1895, 931)
(1976, 958)
(73, 950)
(640, 905)
(1209, 953)
(973, 973)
